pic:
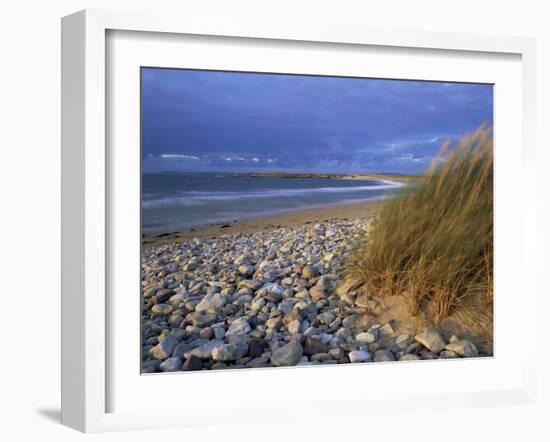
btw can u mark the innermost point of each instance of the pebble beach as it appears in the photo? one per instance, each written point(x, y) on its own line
point(269, 298)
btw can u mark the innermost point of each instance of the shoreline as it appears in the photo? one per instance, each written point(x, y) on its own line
point(348, 212)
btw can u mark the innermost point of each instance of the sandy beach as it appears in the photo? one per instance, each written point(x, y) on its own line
point(291, 219)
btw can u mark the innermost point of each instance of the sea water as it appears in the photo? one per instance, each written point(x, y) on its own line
point(180, 201)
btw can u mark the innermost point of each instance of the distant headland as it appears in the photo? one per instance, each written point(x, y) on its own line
point(334, 176)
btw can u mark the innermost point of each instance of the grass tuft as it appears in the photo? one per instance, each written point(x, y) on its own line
point(433, 242)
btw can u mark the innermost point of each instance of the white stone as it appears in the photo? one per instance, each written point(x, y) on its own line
point(359, 356)
point(211, 303)
point(238, 327)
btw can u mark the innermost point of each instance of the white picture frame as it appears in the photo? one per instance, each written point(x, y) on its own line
point(85, 210)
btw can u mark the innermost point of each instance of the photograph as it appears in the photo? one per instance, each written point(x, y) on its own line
point(310, 220)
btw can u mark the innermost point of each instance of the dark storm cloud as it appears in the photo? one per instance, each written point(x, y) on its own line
point(217, 121)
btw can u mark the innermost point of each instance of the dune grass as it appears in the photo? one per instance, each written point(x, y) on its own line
point(433, 242)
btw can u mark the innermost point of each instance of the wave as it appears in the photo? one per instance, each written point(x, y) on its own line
point(194, 198)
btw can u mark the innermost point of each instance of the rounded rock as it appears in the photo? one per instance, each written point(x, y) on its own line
point(287, 355)
point(431, 339)
point(171, 364)
point(359, 356)
point(383, 356)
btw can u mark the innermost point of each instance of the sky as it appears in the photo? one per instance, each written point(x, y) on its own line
point(201, 121)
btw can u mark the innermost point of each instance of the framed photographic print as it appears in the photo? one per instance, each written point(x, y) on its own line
point(247, 208)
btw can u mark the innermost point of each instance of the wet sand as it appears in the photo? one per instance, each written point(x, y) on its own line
point(291, 219)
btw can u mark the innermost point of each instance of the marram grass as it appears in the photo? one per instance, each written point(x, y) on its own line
point(433, 242)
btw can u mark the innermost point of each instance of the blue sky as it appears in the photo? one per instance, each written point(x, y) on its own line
point(241, 122)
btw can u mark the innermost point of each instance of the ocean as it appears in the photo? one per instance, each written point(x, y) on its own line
point(181, 201)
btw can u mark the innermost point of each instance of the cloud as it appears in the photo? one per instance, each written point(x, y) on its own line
point(178, 156)
point(240, 158)
point(223, 121)
point(412, 158)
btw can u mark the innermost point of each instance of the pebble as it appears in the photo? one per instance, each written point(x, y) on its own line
point(184, 348)
point(431, 339)
point(255, 350)
point(258, 362)
point(246, 270)
point(250, 284)
point(171, 364)
point(402, 340)
point(286, 306)
point(327, 317)
point(206, 333)
point(383, 356)
point(309, 272)
point(164, 349)
point(229, 352)
point(164, 309)
point(356, 321)
point(367, 337)
point(336, 353)
point(273, 288)
point(364, 301)
point(219, 331)
point(238, 327)
point(211, 303)
point(313, 346)
point(320, 357)
point(386, 330)
point(317, 293)
point(287, 355)
point(162, 295)
point(448, 354)
point(274, 322)
point(176, 299)
point(269, 298)
point(463, 348)
point(346, 286)
point(201, 319)
point(191, 265)
point(359, 356)
point(192, 363)
point(205, 350)
point(150, 366)
point(294, 326)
